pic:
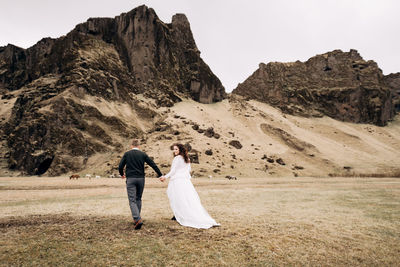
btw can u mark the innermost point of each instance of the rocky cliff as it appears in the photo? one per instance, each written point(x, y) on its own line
point(393, 80)
point(338, 84)
point(60, 97)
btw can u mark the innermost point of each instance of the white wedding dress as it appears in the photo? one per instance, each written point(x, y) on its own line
point(183, 198)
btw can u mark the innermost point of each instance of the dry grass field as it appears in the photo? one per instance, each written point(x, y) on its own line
point(264, 222)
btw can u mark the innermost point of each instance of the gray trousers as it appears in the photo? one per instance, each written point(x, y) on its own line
point(134, 187)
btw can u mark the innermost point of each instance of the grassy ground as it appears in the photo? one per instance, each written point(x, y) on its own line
point(264, 222)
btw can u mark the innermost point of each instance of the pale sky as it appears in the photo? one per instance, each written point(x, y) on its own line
point(234, 36)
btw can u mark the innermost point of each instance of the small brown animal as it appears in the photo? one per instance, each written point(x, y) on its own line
point(74, 176)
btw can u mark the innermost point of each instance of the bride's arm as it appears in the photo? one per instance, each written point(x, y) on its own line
point(173, 168)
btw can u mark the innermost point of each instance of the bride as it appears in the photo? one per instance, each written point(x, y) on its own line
point(183, 198)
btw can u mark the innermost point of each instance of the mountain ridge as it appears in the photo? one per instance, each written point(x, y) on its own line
point(72, 104)
point(338, 84)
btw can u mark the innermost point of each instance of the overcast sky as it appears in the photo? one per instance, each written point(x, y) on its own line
point(234, 36)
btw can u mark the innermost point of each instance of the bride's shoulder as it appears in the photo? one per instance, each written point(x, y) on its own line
point(180, 158)
point(177, 157)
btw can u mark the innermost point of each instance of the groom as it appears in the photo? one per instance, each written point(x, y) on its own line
point(134, 160)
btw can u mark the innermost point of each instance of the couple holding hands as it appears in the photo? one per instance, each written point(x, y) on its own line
point(183, 198)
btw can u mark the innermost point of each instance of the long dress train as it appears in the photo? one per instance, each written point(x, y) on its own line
point(183, 198)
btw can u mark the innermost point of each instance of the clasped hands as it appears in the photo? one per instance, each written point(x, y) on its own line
point(162, 178)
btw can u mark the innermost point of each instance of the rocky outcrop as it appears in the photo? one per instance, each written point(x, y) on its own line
point(393, 80)
point(59, 86)
point(159, 60)
point(338, 84)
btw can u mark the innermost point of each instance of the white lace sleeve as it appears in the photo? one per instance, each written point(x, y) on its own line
point(173, 168)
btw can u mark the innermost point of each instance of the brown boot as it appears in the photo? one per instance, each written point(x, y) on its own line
point(138, 224)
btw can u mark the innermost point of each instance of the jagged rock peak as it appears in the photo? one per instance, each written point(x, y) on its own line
point(338, 84)
point(155, 51)
point(181, 28)
point(162, 60)
point(180, 20)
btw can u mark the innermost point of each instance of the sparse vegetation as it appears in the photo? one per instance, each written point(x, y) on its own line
point(392, 174)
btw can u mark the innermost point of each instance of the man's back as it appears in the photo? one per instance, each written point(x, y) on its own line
point(134, 160)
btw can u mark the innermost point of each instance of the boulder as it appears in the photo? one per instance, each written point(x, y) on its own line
point(280, 161)
point(236, 144)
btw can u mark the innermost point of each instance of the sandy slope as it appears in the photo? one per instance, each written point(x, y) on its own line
point(308, 146)
point(320, 146)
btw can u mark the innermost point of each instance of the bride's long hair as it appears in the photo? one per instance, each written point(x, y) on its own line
point(182, 151)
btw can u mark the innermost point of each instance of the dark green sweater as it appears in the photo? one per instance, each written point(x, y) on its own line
point(134, 160)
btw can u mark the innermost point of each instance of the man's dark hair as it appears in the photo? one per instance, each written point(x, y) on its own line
point(135, 142)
